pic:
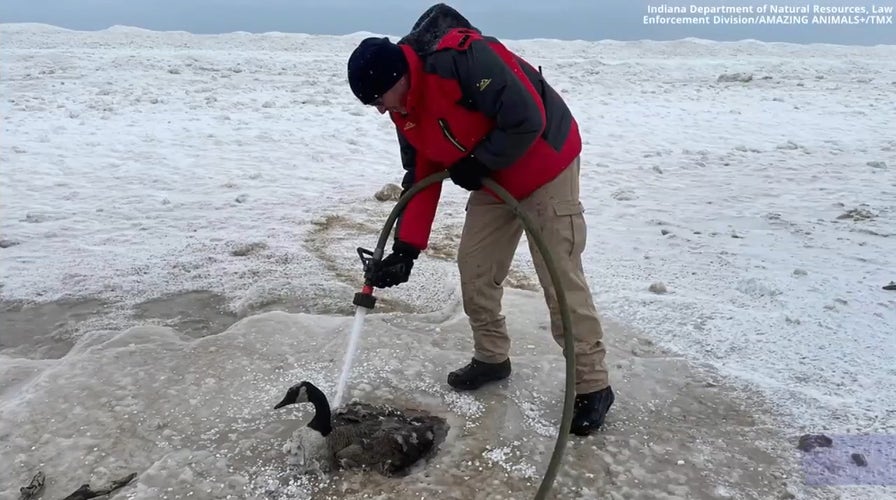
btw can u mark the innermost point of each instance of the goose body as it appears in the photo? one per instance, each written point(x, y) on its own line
point(364, 436)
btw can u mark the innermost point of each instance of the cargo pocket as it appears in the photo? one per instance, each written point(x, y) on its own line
point(572, 213)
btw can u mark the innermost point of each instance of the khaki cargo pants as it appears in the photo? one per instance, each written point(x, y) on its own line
point(489, 240)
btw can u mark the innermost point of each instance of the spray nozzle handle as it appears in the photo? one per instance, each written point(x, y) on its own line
point(365, 297)
point(368, 261)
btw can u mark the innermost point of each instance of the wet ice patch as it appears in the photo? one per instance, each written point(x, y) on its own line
point(512, 460)
point(465, 405)
point(196, 415)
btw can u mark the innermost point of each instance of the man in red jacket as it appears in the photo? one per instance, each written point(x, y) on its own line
point(463, 102)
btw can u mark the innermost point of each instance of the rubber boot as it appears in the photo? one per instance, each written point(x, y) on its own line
point(590, 410)
point(477, 373)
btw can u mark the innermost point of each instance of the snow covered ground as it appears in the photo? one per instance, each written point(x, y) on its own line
point(192, 181)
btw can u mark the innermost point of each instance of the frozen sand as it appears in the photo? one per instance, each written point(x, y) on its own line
point(138, 166)
point(193, 416)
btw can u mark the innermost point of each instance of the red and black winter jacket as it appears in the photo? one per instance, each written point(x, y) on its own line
point(470, 95)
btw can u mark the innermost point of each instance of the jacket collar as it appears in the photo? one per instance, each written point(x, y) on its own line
point(415, 78)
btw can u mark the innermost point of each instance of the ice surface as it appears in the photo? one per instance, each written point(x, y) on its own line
point(195, 419)
point(138, 167)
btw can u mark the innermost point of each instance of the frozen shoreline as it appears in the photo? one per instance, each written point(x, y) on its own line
point(143, 165)
point(156, 402)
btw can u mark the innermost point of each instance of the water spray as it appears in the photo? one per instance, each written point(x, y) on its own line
point(364, 302)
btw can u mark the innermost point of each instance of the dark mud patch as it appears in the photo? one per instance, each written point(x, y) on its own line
point(196, 313)
point(201, 313)
point(44, 330)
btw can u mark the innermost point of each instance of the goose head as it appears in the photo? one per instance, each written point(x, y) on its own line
point(296, 394)
point(306, 392)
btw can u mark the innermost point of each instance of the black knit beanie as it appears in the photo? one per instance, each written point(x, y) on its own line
point(374, 67)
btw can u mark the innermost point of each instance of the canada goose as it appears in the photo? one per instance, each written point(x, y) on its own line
point(363, 436)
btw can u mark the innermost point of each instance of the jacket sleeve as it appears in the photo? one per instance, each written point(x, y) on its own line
point(496, 86)
point(414, 225)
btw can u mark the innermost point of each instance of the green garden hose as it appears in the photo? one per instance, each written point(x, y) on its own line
point(568, 344)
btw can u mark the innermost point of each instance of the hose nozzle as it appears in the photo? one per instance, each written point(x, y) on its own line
point(365, 297)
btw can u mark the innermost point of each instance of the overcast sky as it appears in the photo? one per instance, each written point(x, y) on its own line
point(563, 19)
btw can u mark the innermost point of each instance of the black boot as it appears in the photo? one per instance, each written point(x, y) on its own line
point(590, 410)
point(477, 373)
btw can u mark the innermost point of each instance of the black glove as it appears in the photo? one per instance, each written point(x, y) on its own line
point(396, 267)
point(468, 173)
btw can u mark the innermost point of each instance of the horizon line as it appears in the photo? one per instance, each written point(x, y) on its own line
point(371, 33)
